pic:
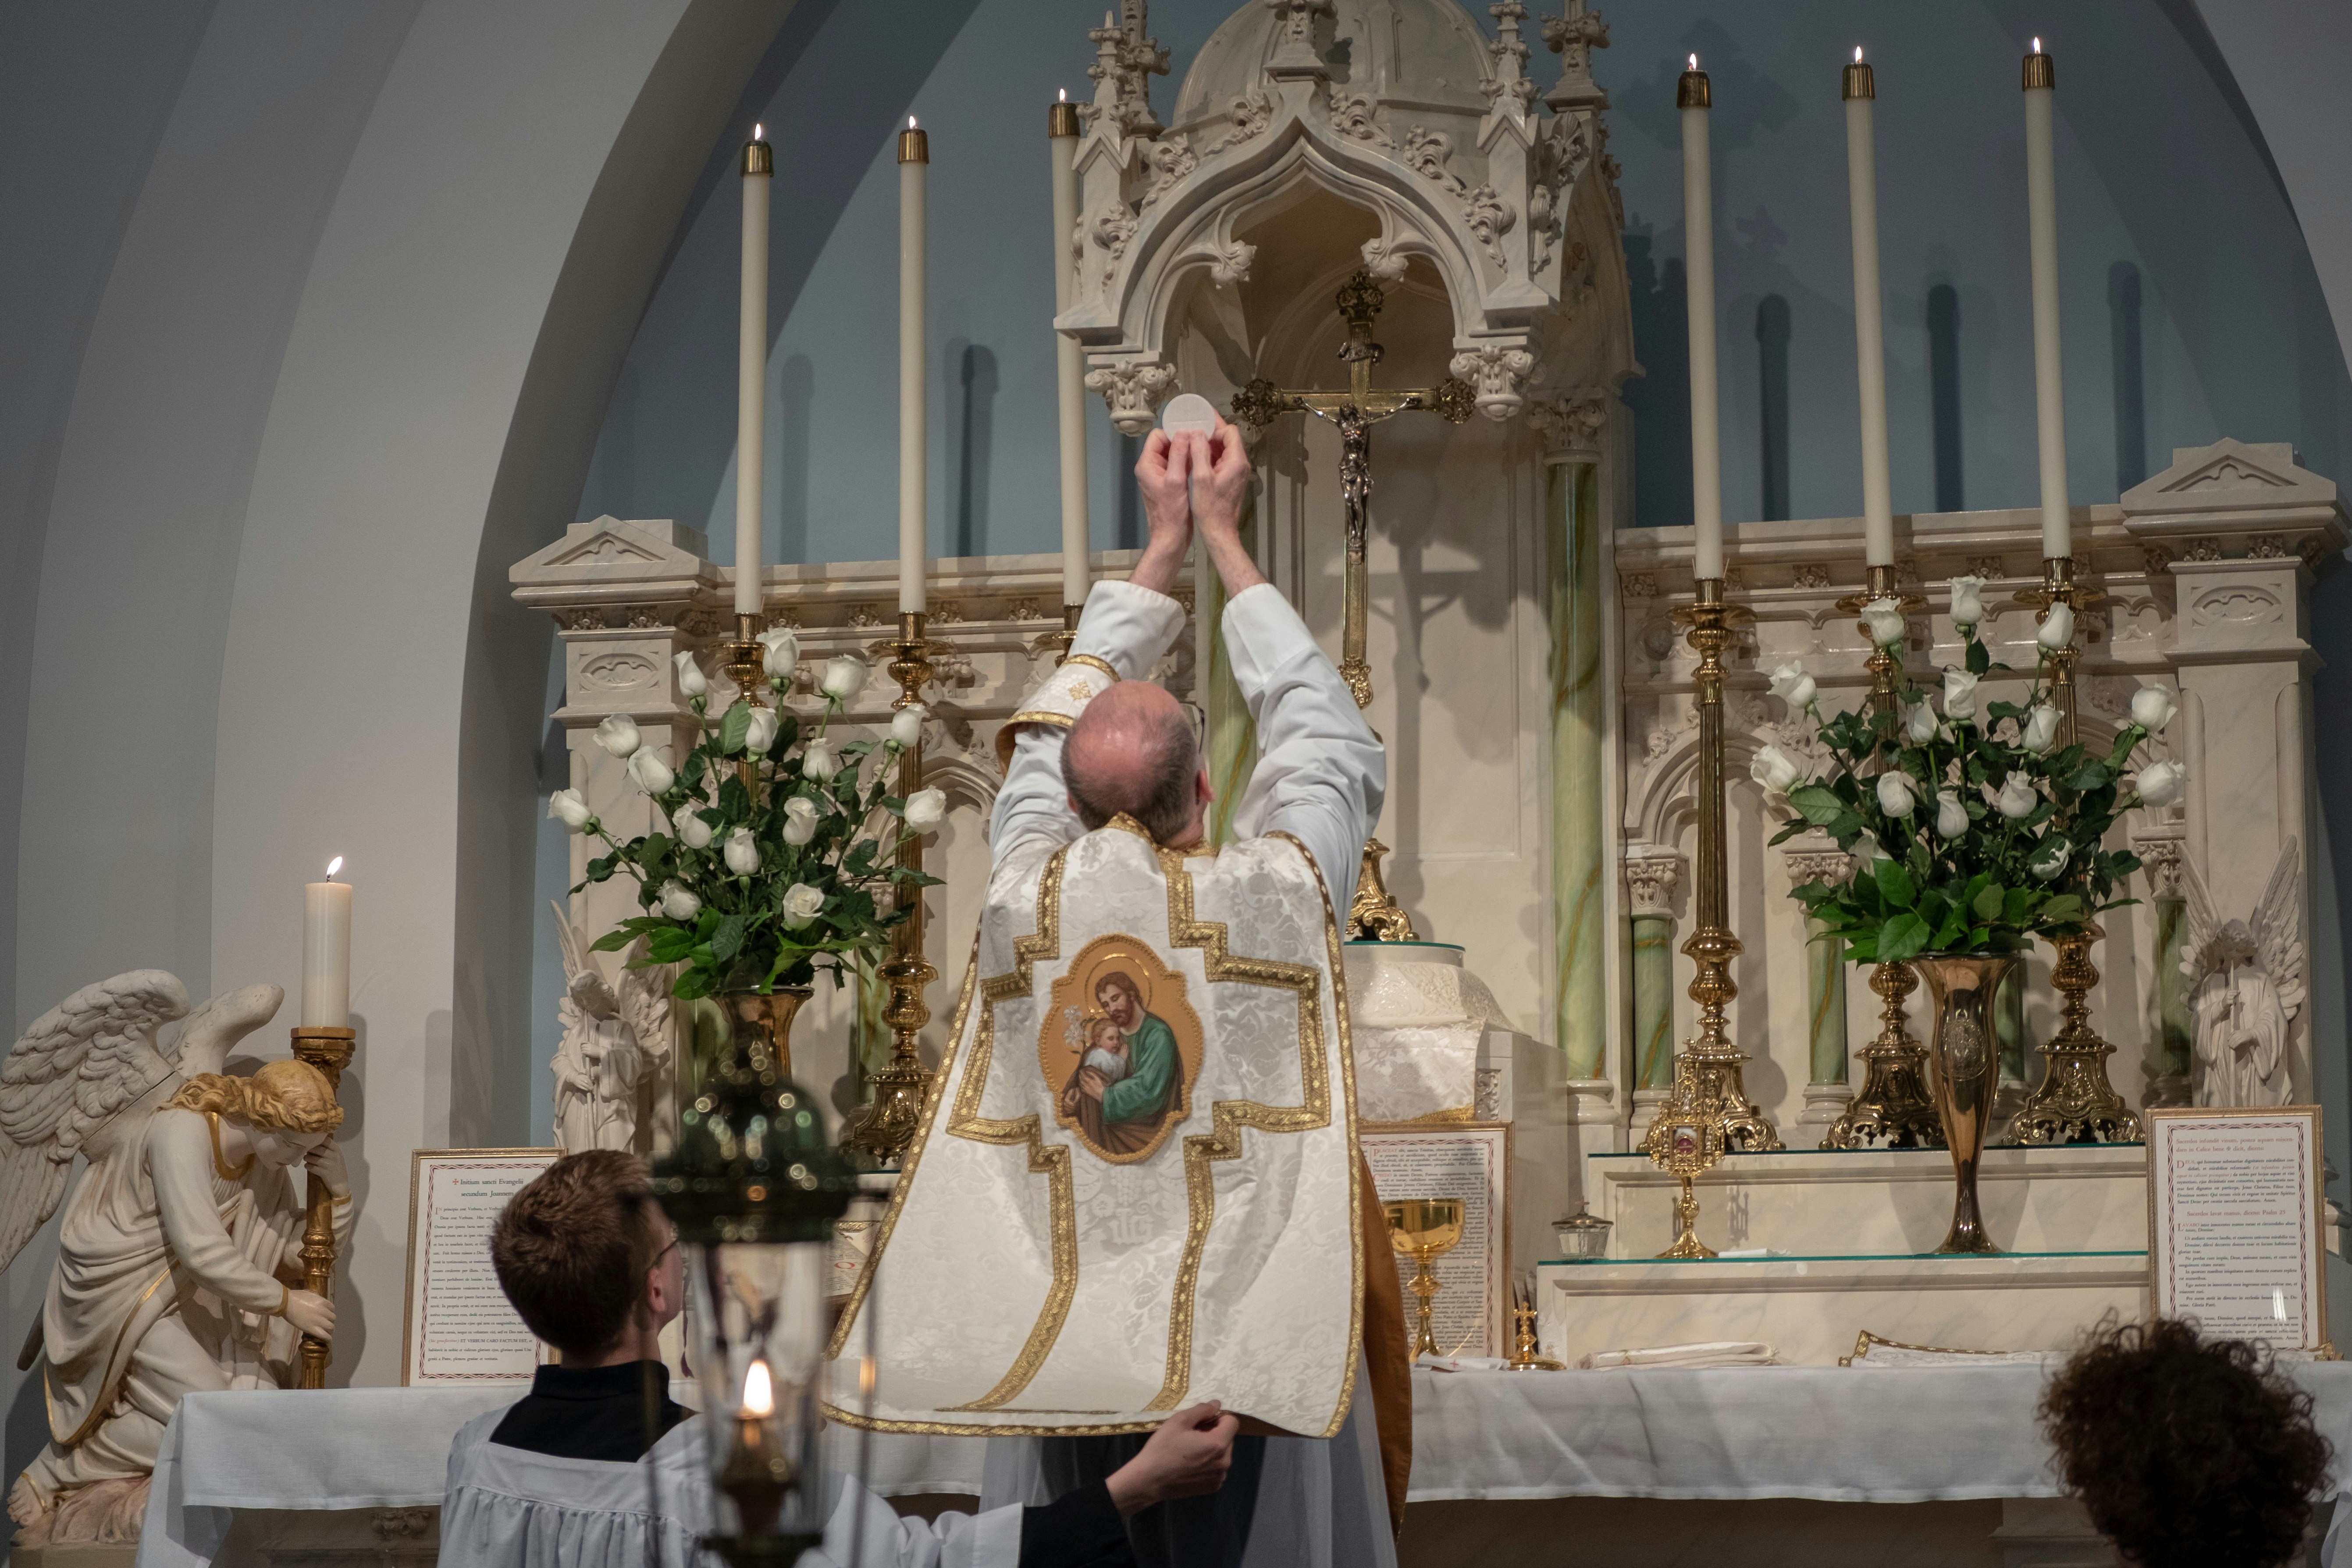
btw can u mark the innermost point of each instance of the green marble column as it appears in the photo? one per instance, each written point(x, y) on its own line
point(1572, 550)
point(1232, 736)
point(1650, 890)
point(1825, 1006)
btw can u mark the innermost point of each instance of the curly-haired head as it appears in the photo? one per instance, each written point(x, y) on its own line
point(282, 1097)
point(2185, 1452)
point(573, 1248)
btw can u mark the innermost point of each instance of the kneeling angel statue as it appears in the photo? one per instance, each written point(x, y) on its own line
point(179, 1266)
point(2248, 983)
point(612, 1038)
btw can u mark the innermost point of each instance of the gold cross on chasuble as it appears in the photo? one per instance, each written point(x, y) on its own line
point(1355, 411)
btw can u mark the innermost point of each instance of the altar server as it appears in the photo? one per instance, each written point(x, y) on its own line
point(1138, 1182)
point(598, 1465)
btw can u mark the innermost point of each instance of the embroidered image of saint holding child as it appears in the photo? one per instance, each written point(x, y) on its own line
point(1123, 1047)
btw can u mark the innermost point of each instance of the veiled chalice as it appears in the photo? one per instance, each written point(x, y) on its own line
point(1424, 1228)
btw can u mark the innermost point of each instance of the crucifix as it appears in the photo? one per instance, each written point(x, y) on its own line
point(1355, 412)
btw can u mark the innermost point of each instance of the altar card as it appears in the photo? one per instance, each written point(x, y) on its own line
point(1465, 1159)
point(2236, 1221)
point(457, 1327)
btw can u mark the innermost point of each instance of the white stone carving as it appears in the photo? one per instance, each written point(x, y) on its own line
point(2249, 979)
point(613, 1037)
point(1293, 52)
point(1250, 116)
point(1133, 391)
point(1650, 878)
point(1351, 116)
point(1495, 371)
point(1571, 423)
point(1381, 260)
point(1233, 266)
point(1170, 159)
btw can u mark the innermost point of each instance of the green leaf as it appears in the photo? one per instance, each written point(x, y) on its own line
point(2016, 906)
point(2091, 776)
point(2063, 910)
point(734, 800)
point(1896, 886)
point(669, 944)
point(1901, 937)
point(1987, 905)
point(1799, 825)
point(1819, 803)
point(734, 728)
point(1980, 658)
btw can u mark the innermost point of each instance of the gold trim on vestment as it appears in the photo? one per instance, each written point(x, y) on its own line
point(220, 1165)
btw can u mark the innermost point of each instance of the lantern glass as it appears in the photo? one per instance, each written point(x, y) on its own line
point(759, 1323)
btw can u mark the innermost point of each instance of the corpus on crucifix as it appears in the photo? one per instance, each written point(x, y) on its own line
point(1355, 411)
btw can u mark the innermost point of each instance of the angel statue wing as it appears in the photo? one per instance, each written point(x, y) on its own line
point(2278, 929)
point(204, 1041)
point(2204, 925)
point(582, 978)
point(645, 1002)
point(83, 1060)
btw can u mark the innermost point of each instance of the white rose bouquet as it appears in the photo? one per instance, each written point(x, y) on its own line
point(1975, 831)
point(761, 883)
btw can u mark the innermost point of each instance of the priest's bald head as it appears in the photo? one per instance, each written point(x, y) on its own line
point(1133, 751)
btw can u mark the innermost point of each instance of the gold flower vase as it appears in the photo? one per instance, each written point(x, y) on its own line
point(756, 1028)
point(1966, 1054)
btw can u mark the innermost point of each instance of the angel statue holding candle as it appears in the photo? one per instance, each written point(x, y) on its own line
point(179, 1266)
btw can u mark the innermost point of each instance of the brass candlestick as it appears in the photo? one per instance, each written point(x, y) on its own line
point(1712, 946)
point(1423, 1230)
point(1060, 641)
point(891, 1120)
point(1526, 1353)
point(2074, 1102)
point(1891, 1110)
point(329, 1050)
point(745, 660)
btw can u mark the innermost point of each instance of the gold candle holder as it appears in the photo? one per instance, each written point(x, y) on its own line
point(2074, 1102)
point(1526, 1352)
point(900, 1087)
point(1892, 1110)
point(329, 1050)
point(1712, 947)
point(1060, 641)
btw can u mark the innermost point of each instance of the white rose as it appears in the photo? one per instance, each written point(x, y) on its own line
point(925, 808)
point(1773, 769)
point(1792, 685)
point(800, 820)
point(618, 735)
point(818, 761)
point(692, 830)
point(690, 679)
point(907, 724)
point(761, 734)
point(1959, 694)
point(567, 808)
point(1896, 797)
point(1968, 601)
point(1951, 817)
point(653, 774)
point(2160, 783)
point(2152, 707)
point(742, 855)
point(2057, 629)
point(1919, 723)
point(2018, 798)
point(803, 904)
point(2040, 728)
point(1867, 848)
point(678, 903)
point(1886, 620)
point(783, 652)
point(2049, 857)
point(845, 677)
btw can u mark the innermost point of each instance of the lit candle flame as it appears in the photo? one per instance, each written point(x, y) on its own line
point(334, 866)
point(759, 1391)
point(1694, 65)
point(910, 122)
point(1062, 95)
point(759, 132)
point(2037, 45)
point(1857, 54)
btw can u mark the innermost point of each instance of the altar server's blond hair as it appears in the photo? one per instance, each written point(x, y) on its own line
point(283, 1096)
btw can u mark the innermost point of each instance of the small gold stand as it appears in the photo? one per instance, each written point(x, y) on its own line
point(1686, 1140)
point(1060, 641)
point(1712, 946)
point(2074, 1102)
point(1526, 1354)
point(745, 660)
point(901, 1086)
point(1424, 1228)
point(1892, 1110)
point(1373, 915)
point(329, 1050)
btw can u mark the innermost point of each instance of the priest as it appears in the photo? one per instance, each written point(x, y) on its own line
point(1136, 1184)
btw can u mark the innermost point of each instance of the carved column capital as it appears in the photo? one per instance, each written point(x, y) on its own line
point(2160, 858)
point(1570, 424)
point(1650, 878)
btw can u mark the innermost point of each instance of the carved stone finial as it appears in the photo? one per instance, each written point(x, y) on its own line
point(1294, 50)
point(1573, 35)
point(1508, 85)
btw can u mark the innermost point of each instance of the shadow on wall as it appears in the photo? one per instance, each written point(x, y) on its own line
point(1772, 403)
point(1660, 399)
point(972, 370)
point(1944, 394)
point(2130, 385)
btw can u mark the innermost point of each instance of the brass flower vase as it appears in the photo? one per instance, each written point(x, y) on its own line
point(1966, 1054)
point(758, 1028)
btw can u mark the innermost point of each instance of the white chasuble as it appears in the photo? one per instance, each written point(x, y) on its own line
point(1135, 1185)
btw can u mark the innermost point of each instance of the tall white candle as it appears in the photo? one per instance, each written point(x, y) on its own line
point(1069, 359)
point(752, 372)
point(2041, 227)
point(914, 160)
point(327, 951)
point(1869, 337)
point(1694, 97)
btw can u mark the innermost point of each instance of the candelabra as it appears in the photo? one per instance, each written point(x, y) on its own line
point(1712, 946)
point(901, 1086)
point(329, 1050)
point(1892, 1110)
point(2073, 1103)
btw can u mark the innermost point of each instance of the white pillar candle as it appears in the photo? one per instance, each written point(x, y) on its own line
point(2041, 228)
point(1869, 337)
point(752, 372)
point(1069, 359)
point(327, 951)
point(914, 160)
point(1694, 97)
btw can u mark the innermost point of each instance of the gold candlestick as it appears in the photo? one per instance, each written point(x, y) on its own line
point(1892, 1110)
point(889, 1122)
point(1060, 641)
point(329, 1050)
point(1712, 946)
point(2074, 1102)
point(1526, 1353)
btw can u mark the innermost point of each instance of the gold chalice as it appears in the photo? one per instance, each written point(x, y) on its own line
point(1424, 1228)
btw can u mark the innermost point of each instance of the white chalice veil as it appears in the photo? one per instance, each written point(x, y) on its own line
point(1023, 1283)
